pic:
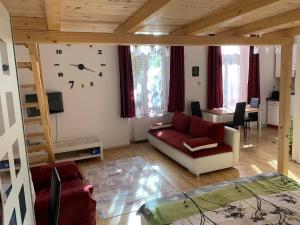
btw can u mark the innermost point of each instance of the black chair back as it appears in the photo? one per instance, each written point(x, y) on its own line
point(239, 114)
point(196, 109)
point(54, 201)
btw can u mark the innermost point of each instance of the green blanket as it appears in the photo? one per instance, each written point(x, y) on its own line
point(269, 198)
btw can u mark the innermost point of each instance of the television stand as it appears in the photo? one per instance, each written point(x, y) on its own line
point(79, 149)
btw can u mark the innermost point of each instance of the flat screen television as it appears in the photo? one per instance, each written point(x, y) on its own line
point(55, 101)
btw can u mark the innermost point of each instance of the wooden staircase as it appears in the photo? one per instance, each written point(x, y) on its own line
point(43, 151)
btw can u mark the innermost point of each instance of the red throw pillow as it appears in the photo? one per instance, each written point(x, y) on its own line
point(204, 128)
point(196, 144)
point(181, 122)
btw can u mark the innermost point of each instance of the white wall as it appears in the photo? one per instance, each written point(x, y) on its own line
point(89, 111)
point(296, 109)
point(195, 87)
point(267, 80)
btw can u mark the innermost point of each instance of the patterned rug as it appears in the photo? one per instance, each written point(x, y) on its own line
point(122, 186)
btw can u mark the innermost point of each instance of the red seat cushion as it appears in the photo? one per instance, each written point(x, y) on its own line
point(181, 122)
point(202, 128)
point(175, 139)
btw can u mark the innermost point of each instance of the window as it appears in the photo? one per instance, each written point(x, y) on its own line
point(151, 69)
point(235, 68)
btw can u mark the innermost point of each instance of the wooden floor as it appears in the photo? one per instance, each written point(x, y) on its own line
point(256, 156)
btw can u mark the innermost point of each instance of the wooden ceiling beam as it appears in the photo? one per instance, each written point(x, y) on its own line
point(264, 24)
point(29, 23)
point(53, 9)
point(290, 32)
point(148, 10)
point(224, 15)
point(27, 36)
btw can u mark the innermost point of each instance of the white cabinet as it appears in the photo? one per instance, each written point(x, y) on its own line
point(278, 60)
point(273, 113)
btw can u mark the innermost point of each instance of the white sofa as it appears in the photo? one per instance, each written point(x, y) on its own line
point(205, 164)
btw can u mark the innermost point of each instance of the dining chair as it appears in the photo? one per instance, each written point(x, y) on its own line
point(252, 117)
point(196, 109)
point(238, 118)
point(54, 201)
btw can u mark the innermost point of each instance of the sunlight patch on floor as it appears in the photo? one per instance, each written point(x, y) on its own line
point(273, 163)
point(292, 175)
point(247, 146)
point(256, 169)
point(134, 219)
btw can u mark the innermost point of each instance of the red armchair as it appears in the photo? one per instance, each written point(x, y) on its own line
point(77, 207)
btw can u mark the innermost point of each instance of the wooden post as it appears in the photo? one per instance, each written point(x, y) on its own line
point(284, 108)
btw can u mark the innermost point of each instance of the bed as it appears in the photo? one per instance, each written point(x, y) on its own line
point(268, 198)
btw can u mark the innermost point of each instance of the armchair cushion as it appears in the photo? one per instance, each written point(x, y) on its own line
point(41, 175)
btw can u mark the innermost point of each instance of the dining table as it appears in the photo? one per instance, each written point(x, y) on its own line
point(225, 115)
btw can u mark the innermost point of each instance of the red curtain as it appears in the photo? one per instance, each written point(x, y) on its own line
point(126, 82)
point(253, 77)
point(176, 89)
point(214, 78)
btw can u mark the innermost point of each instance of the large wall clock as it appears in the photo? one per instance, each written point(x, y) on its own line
point(67, 57)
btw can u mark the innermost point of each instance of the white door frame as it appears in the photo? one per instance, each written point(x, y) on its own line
point(17, 203)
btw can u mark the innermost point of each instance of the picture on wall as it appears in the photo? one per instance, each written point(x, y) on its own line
point(195, 71)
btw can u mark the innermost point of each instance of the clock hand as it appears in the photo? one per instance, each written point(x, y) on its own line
point(82, 67)
point(89, 69)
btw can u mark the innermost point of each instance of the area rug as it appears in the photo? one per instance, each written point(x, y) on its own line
point(122, 186)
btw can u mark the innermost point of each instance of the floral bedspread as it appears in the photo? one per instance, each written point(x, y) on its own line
point(266, 199)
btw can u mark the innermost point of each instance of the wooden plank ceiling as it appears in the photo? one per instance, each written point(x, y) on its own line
point(173, 17)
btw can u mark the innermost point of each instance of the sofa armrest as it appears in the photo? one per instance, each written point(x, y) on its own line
point(158, 126)
point(232, 138)
point(41, 175)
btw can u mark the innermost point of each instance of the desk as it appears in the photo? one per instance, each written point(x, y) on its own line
point(218, 114)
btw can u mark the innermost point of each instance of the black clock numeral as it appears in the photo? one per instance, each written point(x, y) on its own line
point(60, 74)
point(91, 46)
point(56, 64)
point(99, 52)
point(91, 84)
point(68, 45)
point(82, 85)
point(71, 82)
point(100, 74)
point(103, 64)
point(59, 51)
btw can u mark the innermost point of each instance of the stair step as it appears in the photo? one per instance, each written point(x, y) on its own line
point(30, 105)
point(32, 136)
point(38, 160)
point(36, 148)
point(24, 65)
point(32, 120)
point(28, 86)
